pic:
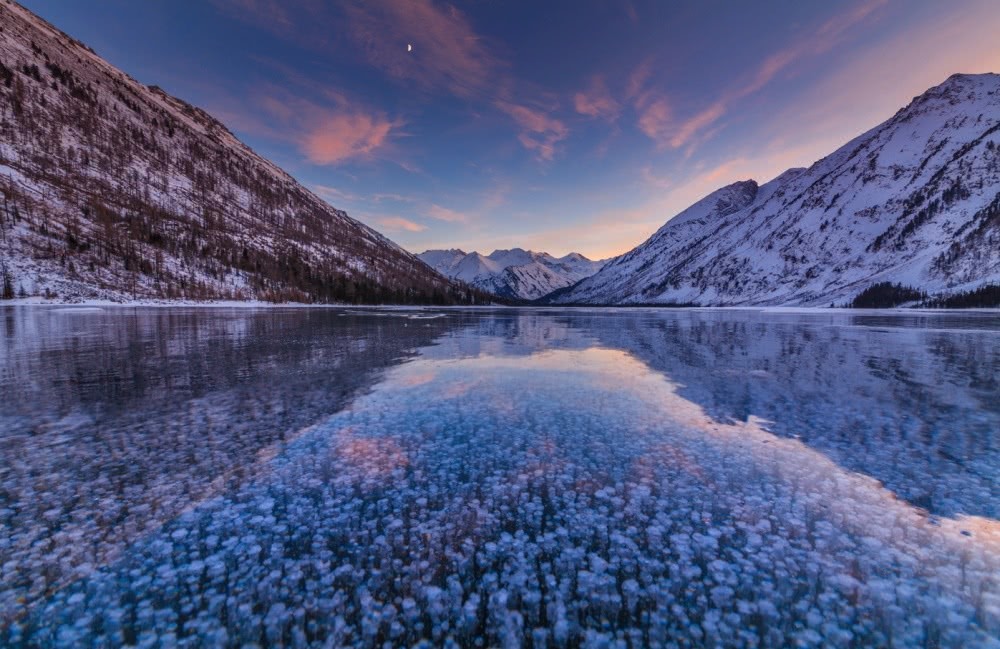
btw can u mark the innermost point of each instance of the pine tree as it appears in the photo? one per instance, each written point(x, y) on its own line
point(8, 285)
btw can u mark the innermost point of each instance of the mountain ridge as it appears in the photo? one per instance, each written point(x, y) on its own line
point(117, 190)
point(914, 200)
point(514, 273)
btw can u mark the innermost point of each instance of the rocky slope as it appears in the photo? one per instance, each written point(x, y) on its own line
point(914, 201)
point(118, 190)
point(517, 274)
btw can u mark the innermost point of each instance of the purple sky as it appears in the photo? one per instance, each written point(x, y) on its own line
point(564, 125)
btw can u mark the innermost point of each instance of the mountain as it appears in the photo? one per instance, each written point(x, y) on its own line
point(516, 273)
point(118, 190)
point(914, 201)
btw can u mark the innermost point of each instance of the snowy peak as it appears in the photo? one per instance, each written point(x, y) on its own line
point(734, 197)
point(475, 265)
point(515, 273)
point(915, 200)
point(443, 258)
point(955, 90)
point(514, 257)
point(718, 204)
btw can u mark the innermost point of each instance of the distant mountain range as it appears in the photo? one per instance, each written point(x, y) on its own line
point(517, 274)
point(915, 201)
point(116, 190)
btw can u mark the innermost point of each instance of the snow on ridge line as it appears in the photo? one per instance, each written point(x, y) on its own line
point(514, 273)
point(914, 201)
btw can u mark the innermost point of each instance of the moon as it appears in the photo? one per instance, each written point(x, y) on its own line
point(409, 47)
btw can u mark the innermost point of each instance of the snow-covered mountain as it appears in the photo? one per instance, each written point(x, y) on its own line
point(118, 190)
point(515, 273)
point(915, 201)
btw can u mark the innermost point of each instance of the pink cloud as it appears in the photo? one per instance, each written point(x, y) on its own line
point(654, 118)
point(637, 80)
point(324, 125)
point(339, 137)
point(397, 198)
point(656, 121)
point(409, 167)
point(532, 120)
point(495, 197)
point(651, 179)
point(767, 70)
point(836, 26)
point(543, 146)
point(597, 101)
point(822, 40)
point(692, 126)
point(445, 214)
point(539, 131)
point(399, 224)
point(332, 193)
point(327, 130)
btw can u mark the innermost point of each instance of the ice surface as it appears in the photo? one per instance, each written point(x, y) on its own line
point(528, 479)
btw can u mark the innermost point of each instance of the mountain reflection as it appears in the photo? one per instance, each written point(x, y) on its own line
point(913, 401)
point(115, 421)
point(558, 478)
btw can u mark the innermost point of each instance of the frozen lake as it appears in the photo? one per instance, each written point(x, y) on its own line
point(536, 478)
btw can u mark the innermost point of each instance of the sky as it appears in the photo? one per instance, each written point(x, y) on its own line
point(558, 126)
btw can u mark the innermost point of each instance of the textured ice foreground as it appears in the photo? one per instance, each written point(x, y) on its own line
point(542, 480)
